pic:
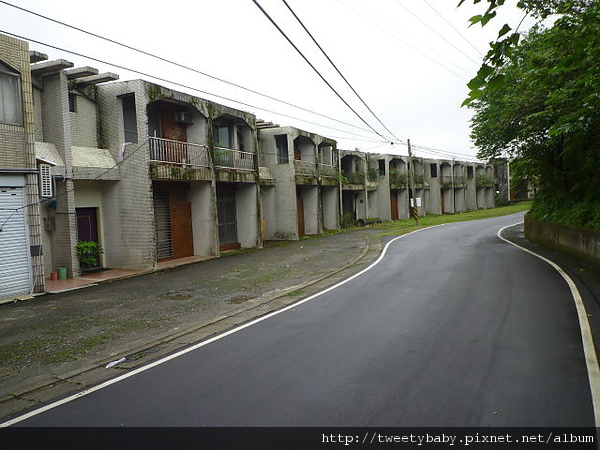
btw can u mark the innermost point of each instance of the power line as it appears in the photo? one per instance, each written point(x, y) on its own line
point(454, 28)
point(118, 66)
point(336, 68)
point(434, 30)
point(160, 58)
point(315, 69)
point(407, 44)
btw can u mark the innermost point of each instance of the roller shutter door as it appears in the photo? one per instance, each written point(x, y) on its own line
point(14, 261)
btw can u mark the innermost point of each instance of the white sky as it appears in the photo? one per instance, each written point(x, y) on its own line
point(408, 74)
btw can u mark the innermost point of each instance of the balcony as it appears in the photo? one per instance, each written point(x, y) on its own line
point(448, 182)
point(305, 168)
point(226, 158)
point(176, 160)
point(166, 151)
point(398, 180)
point(353, 181)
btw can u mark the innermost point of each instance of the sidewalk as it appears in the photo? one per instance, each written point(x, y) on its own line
point(59, 344)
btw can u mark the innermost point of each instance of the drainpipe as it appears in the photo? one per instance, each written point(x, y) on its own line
point(366, 166)
point(453, 193)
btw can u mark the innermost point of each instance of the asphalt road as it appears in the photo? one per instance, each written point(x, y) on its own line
point(454, 327)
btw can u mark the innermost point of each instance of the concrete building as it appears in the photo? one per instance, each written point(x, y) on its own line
point(188, 175)
point(304, 195)
point(21, 251)
point(150, 174)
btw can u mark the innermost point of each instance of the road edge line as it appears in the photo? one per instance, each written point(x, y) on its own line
point(217, 337)
point(589, 349)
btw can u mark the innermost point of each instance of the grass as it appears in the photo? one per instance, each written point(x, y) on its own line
point(407, 225)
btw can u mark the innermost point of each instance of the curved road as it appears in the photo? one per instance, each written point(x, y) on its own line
point(454, 327)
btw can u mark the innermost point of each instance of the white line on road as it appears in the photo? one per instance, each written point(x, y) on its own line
point(584, 325)
point(203, 343)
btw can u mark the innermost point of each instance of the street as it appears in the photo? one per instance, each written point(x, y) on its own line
point(453, 327)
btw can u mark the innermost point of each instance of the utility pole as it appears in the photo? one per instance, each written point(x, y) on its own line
point(413, 197)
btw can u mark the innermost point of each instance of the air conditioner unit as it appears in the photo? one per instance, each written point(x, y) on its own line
point(46, 188)
point(184, 117)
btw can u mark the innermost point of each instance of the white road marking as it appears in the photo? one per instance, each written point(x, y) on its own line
point(584, 325)
point(83, 393)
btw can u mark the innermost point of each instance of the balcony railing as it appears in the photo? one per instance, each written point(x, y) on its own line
point(234, 159)
point(327, 170)
point(355, 178)
point(398, 179)
point(306, 168)
point(180, 153)
point(449, 181)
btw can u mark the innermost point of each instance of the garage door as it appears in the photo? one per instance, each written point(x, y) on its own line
point(14, 262)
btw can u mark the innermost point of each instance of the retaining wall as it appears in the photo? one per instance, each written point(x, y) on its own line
point(579, 242)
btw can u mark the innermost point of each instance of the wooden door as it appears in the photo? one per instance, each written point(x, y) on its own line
point(394, 204)
point(300, 213)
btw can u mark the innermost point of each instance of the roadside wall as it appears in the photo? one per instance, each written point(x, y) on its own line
point(578, 242)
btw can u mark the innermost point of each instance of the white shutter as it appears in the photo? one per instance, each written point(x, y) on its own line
point(15, 275)
point(46, 181)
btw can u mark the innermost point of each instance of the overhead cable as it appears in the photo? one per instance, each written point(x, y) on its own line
point(454, 28)
point(336, 68)
point(407, 44)
point(118, 66)
point(160, 58)
point(435, 31)
point(266, 14)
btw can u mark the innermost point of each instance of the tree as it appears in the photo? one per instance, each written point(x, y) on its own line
point(538, 99)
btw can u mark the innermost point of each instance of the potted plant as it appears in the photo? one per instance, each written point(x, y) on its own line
point(89, 253)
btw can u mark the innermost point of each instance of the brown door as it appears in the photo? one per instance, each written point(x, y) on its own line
point(300, 213)
point(442, 198)
point(87, 224)
point(394, 204)
point(181, 223)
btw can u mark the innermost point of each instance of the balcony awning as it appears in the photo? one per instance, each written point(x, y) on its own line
point(92, 157)
point(46, 152)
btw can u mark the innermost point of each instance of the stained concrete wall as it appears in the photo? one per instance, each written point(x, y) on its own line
point(129, 211)
point(204, 226)
point(579, 242)
point(246, 203)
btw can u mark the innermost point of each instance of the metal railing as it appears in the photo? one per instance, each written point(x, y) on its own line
point(177, 152)
point(233, 159)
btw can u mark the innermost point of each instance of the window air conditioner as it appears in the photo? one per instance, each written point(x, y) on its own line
point(184, 117)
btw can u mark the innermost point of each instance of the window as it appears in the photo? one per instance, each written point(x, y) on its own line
point(433, 170)
point(72, 102)
point(381, 163)
point(223, 134)
point(129, 118)
point(282, 149)
point(470, 171)
point(10, 96)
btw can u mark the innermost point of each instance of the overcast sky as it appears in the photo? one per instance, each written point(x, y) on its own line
point(405, 59)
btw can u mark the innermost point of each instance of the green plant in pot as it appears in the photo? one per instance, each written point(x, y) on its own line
point(89, 253)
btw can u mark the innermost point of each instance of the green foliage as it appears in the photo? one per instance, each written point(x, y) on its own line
point(89, 253)
point(546, 111)
point(347, 220)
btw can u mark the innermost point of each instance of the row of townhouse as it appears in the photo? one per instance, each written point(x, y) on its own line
point(152, 174)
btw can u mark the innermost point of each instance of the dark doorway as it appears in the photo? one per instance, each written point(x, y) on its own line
point(226, 211)
point(87, 224)
point(300, 213)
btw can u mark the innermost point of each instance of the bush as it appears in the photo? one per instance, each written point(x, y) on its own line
point(89, 253)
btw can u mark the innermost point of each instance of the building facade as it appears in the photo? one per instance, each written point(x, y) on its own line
point(21, 250)
point(149, 174)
